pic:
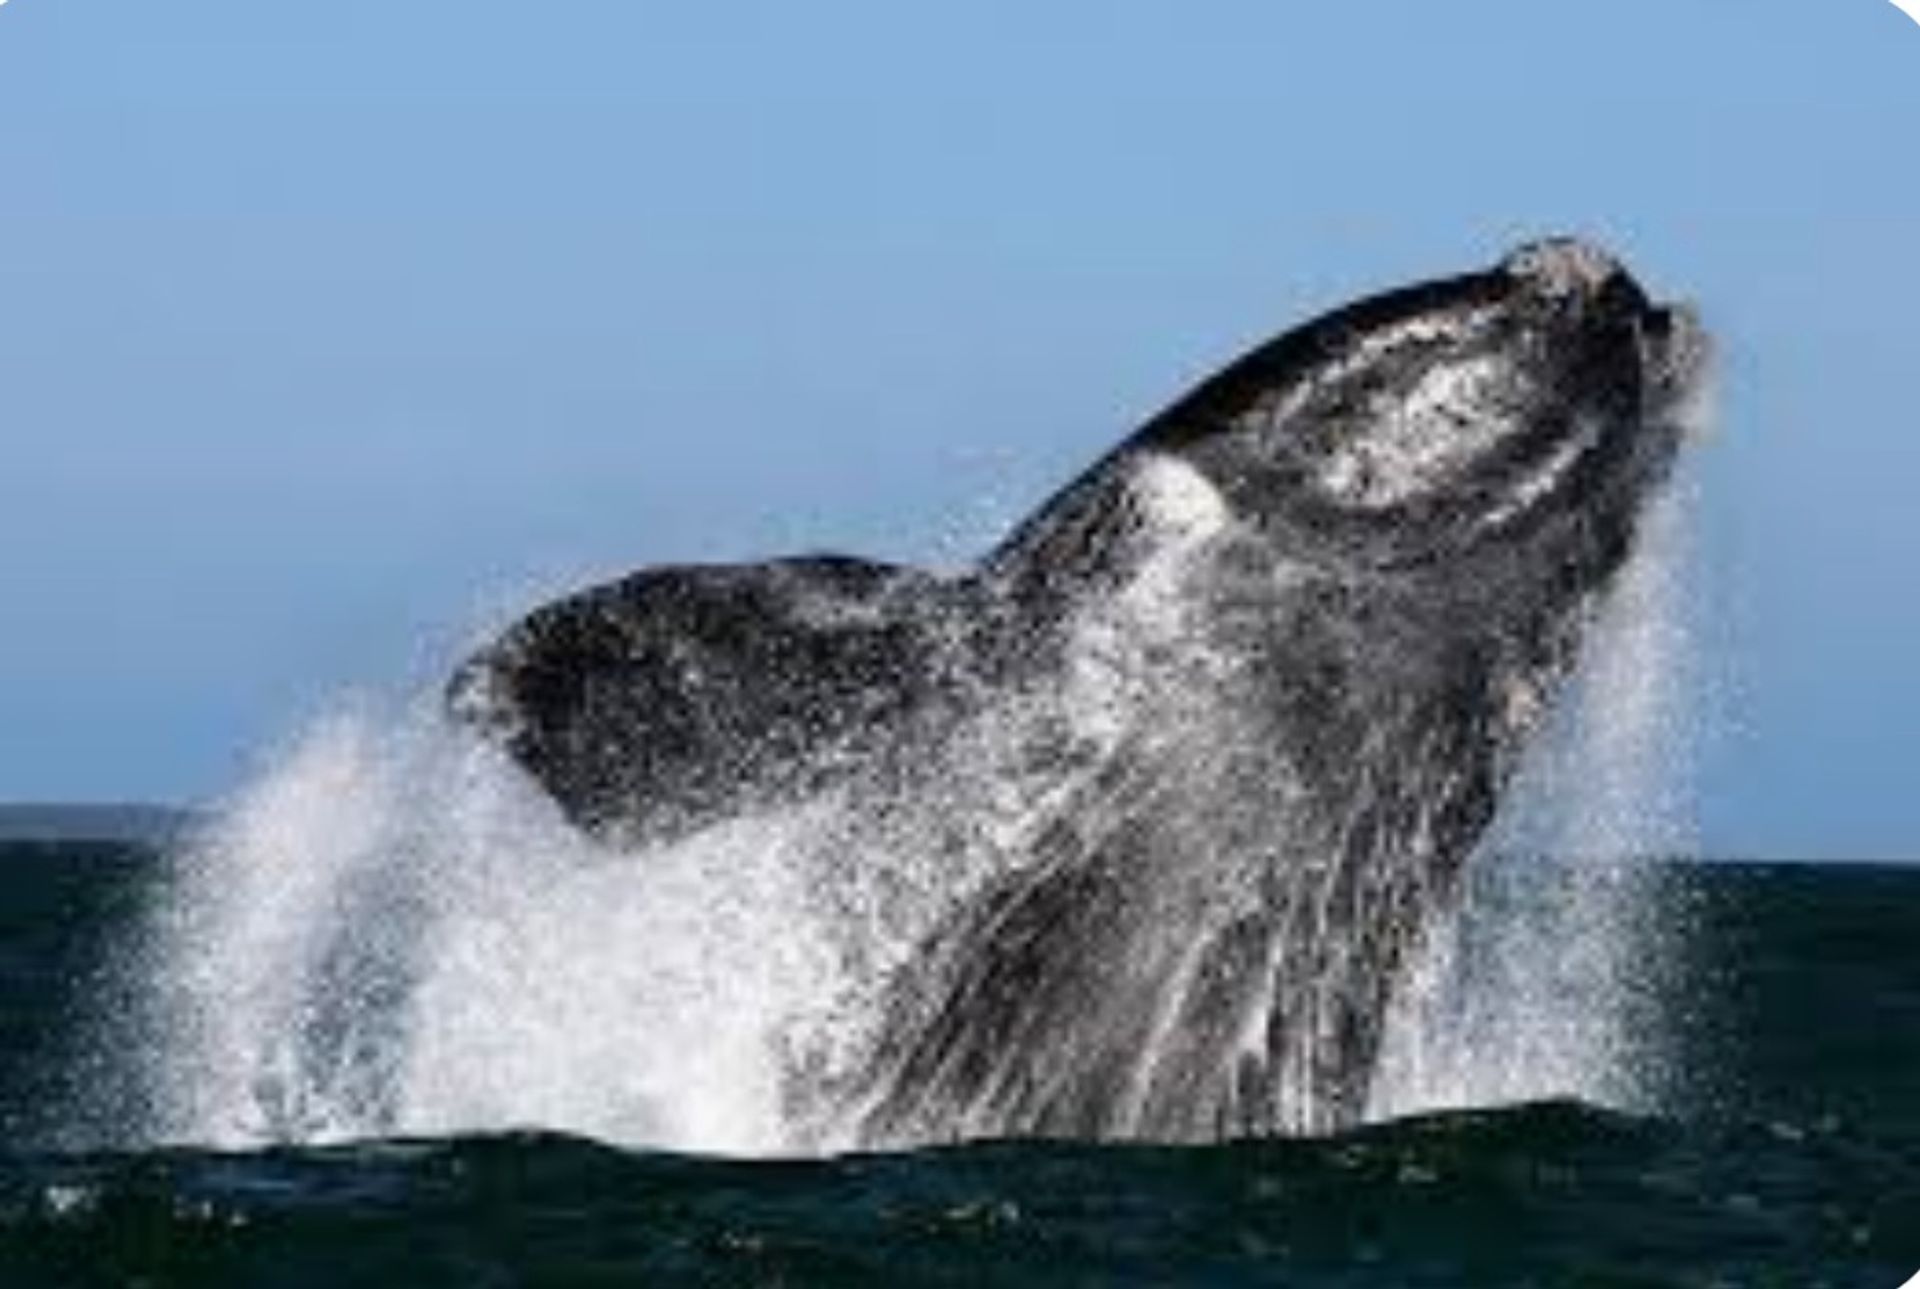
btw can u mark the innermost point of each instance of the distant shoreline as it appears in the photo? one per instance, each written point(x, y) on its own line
point(116, 822)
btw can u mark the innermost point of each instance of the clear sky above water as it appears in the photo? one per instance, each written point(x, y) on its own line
point(331, 333)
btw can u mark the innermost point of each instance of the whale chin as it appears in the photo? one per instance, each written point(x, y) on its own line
point(1185, 763)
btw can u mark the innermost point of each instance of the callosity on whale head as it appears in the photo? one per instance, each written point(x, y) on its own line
point(1426, 424)
point(1187, 762)
point(1456, 414)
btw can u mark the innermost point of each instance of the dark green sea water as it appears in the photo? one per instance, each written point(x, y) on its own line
point(1793, 1158)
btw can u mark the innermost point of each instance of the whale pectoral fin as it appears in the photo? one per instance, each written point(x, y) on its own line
point(652, 704)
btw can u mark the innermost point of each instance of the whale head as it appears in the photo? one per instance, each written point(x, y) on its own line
point(1519, 413)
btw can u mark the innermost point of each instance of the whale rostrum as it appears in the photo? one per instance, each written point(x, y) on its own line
point(1187, 760)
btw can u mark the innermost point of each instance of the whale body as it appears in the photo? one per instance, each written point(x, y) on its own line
point(1196, 751)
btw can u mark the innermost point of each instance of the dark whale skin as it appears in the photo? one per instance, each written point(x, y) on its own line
point(1381, 534)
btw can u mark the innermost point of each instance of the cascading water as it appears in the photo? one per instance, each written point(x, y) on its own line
point(1555, 975)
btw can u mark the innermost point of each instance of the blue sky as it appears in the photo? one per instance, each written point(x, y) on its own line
point(330, 332)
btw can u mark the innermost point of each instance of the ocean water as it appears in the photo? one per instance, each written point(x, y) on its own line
point(1776, 1141)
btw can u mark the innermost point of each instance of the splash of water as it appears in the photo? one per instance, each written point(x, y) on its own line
point(393, 932)
point(1552, 978)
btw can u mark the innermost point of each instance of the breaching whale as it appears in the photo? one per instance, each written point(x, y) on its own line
point(1202, 743)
